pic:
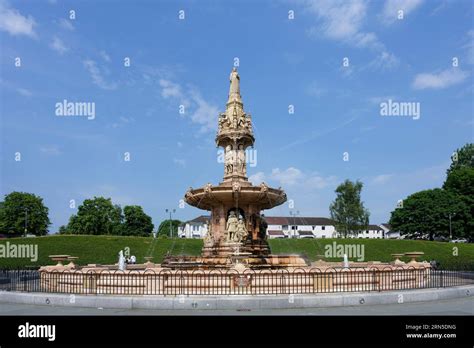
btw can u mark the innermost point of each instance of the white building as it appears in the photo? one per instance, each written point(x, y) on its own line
point(372, 232)
point(196, 228)
point(299, 227)
point(388, 233)
point(284, 227)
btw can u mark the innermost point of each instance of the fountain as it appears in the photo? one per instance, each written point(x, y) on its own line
point(235, 204)
point(236, 257)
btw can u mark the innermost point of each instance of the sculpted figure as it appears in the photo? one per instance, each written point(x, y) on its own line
point(209, 238)
point(241, 233)
point(234, 79)
point(229, 160)
point(241, 165)
point(208, 188)
point(231, 227)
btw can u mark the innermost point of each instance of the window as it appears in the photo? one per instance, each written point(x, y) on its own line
point(314, 227)
point(323, 227)
point(366, 232)
point(285, 227)
point(195, 227)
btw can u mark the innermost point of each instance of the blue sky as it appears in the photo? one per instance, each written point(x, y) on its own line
point(187, 62)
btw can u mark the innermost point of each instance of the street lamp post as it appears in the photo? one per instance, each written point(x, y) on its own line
point(26, 221)
point(294, 214)
point(171, 211)
point(450, 230)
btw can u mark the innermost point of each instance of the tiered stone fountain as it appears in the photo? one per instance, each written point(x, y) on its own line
point(235, 204)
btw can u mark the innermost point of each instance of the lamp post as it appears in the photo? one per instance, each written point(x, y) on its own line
point(450, 230)
point(171, 211)
point(26, 221)
point(294, 214)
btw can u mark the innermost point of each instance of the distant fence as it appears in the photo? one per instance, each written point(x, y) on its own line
point(230, 282)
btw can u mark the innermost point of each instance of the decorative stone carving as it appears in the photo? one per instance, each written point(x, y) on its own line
point(209, 238)
point(263, 187)
point(241, 165)
point(242, 232)
point(229, 159)
point(236, 187)
point(231, 227)
point(208, 188)
point(234, 80)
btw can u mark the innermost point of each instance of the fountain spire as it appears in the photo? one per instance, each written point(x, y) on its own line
point(235, 133)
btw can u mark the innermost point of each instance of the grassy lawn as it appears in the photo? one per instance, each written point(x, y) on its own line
point(380, 249)
point(104, 249)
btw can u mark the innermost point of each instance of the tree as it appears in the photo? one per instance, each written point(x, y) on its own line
point(462, 158)
point(347, 210)
point(164, 228)
point(461, 182)
point(96, 216)
point(427, 213)
point(20, 211)
point(136, 223)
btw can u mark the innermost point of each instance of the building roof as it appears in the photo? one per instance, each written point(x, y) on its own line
point(275, 233)
point(386, 226)
point(373, 227)
point(200, 219)
point(298, 220)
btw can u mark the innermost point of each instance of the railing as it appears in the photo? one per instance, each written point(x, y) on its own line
point(230, 282)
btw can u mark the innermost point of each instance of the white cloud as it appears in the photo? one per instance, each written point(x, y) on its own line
point(122, 122)
point(315, 90)
point(289, 176)
point(257, 178)
point(384, 61)
point(381, 179)
point(205, 113)
point(105, 56)
point(470, 47)
point(58, 45)
point(443, 79)
point(199, 110)
point(295, 177)
point(97, 77)
point(179, 161)
point(169, 89)
point(390, 11)
point(343, 21)
point(51, 150)
point(340, 19)
point(24, 92)
point(14, 23)
point(66, 24)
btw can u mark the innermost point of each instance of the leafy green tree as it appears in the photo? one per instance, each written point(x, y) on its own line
point(22, 210)
point(136, 222)
point(348, 210)
point(164, 228)
point(462, 158)
point(427, 213)
point(96, 216)
point(461, 182)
